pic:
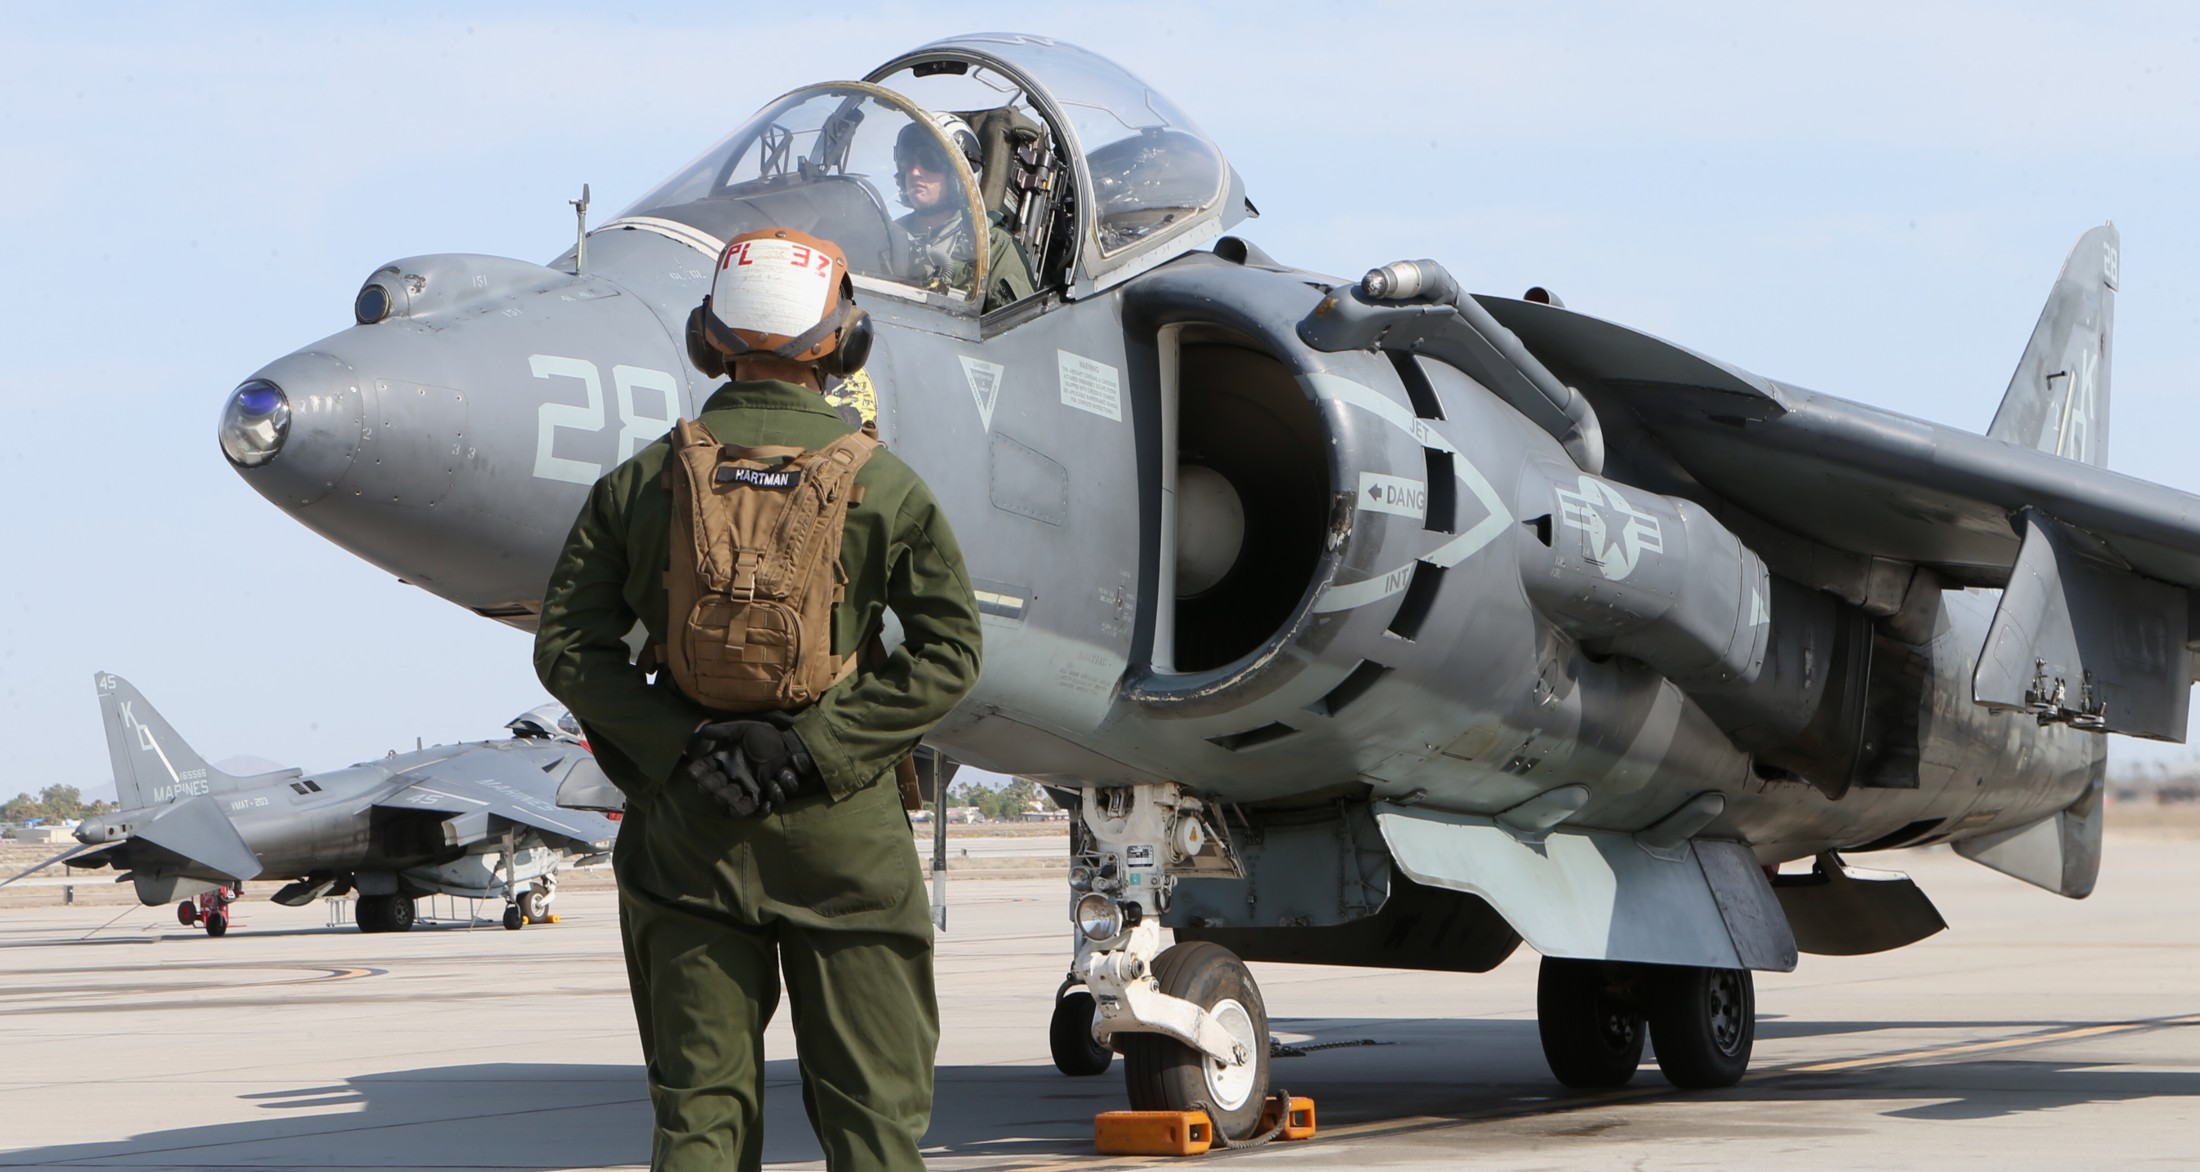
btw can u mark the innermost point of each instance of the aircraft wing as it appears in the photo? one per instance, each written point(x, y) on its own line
point(2096, 622)
point(1855, 478)
point(484, 785)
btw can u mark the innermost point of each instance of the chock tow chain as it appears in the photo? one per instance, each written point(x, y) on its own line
point(1280, 1049)
point(1222, 1138)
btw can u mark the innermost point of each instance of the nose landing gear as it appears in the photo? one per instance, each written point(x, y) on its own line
point(1069, 1037)
point(1164, 1074)
point(1189, 1019)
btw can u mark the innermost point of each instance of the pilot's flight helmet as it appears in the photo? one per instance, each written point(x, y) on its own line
point(913, 144)
point(783, 293)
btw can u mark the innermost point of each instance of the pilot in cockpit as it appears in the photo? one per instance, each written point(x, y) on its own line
point(943, 251)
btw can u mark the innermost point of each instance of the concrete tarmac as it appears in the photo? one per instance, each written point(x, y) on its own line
point(2037, 1033)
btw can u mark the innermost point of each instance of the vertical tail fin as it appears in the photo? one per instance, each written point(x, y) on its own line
point(2058, 399)
point(153, 766)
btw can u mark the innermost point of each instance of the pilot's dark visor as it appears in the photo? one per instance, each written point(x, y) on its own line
point(924, 151)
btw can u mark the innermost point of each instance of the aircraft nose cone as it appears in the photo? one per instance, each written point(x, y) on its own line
point(292, 429)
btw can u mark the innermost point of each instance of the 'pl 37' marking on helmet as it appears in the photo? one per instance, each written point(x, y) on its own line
point(1614, 535)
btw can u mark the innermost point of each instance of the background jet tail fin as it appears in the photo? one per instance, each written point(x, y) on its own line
point(2058, 399)
point(153, 766)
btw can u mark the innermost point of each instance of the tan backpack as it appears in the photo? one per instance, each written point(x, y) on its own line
point(755, 567)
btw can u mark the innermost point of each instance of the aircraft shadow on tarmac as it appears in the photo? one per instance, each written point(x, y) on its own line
point(581, 1115)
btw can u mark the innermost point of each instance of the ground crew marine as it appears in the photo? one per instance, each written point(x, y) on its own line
point(749, 853)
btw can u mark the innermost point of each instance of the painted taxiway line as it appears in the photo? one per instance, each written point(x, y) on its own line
point(1575, 1102)
point(2018, 1042)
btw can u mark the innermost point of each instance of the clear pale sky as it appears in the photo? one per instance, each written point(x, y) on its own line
point(1866, 199)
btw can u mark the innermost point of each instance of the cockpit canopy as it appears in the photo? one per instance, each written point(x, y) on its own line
point(1087, 173)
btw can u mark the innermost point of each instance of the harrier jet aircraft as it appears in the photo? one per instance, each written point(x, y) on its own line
point(476, 820)
point(1363, 622)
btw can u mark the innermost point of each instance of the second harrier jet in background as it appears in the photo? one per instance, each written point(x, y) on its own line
point(476, 820)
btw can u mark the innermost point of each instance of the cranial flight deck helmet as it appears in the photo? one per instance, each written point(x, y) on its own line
point(913, 145)
point(783, 293)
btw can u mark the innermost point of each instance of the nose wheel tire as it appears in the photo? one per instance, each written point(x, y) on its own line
point(1163, 1074)
point(1703, 1024)
point(216, 923)
point(1590, 1020)
point(534, 905)
point(514, 919)
point(1069, 1037)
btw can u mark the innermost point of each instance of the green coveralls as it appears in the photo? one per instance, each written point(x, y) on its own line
point(712, 909)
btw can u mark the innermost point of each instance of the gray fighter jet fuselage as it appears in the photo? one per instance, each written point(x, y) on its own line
point(1326, 600)
point(476, 820)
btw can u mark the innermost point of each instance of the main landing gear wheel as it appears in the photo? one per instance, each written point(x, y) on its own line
point(217, 923)
point(1590, 1018)
point(514, 919)
point(1704, 1023)
point(1163, 1074)
point(534, 904)
point(385, 913)
point(1069, 1036)
point(187, 914)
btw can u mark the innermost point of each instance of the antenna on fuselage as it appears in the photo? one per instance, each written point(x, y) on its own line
point(580, 232)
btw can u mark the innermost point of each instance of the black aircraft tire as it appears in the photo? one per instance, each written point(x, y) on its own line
point(187, 914)
point(371, 912)
point(1703, 1024)
point(535, 906)
point(1592, 1029)
point(216, 924)
point(1163, 1074)
point(513, 919)
point(1069, 1037)
point(401, 913)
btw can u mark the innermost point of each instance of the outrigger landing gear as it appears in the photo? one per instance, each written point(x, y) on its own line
point(1594, 1014)
point(1189, 1021)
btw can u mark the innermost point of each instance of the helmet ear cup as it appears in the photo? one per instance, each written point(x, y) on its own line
point(705, 356)
point(853, 348)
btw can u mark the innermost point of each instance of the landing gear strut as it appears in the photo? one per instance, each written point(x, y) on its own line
point(1189, 1021)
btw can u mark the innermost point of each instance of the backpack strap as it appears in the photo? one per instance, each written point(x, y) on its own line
point(764, 452)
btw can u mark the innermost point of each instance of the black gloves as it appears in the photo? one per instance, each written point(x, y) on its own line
point(752, 767)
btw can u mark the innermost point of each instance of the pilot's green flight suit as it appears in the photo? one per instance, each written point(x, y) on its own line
point(944, 255)
point(713, 908)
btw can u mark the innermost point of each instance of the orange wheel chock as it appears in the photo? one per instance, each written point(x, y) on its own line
point(1300, 1123)
point(1154, 1133)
